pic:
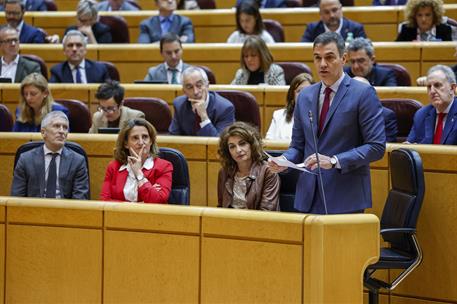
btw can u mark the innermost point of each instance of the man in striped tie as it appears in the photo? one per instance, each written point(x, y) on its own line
point(437, 122)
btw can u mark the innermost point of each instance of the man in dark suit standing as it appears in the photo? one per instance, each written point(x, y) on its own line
point(437, 122)
point(199, 112)
point(349, 126)
point(14, 66)
point(78, 69)
point(14, 13)
point(363, 64)
point(152, 29)
point(51, 170)
point(332, 20)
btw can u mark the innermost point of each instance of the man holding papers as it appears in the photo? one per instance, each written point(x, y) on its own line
point(349, 129)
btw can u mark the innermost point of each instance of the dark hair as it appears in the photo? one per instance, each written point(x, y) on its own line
point(20, 2)
point(247, 132)
point(294, 84)
point(256, 44)
point(169, 38)
point(361, 43)
point(252, 9)
point(110, 89)
point(330, 37)
point(120, 152)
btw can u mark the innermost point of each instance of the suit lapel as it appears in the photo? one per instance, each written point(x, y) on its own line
point(64, 167)
point(430, 125)
point(66, 73)
point(342, 90)
point(89, 72)
point(19, 70)
point(39, 168)
point(450, 121)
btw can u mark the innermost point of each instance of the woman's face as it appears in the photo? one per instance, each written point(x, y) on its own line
point(239, 149)
point(302, 85)
point(247, 23)
point(424, 18)
point(251, 60)
point(34, 97)
point(86, 20)
point(138, 138)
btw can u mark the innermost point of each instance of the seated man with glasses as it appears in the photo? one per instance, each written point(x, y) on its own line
point(14, 14)
point(14, 66)
point(362, 62)
point(111, 111)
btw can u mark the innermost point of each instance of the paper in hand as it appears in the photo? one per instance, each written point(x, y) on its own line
point(281, 161)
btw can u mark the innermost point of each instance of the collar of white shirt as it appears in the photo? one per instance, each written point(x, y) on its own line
point(15, 61)
point(82, 65)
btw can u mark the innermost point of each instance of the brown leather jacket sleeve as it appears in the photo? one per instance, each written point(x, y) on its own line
point(270, 194)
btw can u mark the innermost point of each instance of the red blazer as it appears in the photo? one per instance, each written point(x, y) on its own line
point(161, 172)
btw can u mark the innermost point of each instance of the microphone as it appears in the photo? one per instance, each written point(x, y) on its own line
point(319, 172)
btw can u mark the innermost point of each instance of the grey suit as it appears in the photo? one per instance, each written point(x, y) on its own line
point(150, 30)
point(104, 6)
point(24, 68)
point(29, 175)
point(158, 73)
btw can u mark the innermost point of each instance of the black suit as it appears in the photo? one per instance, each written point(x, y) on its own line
point(95, 72)
point(443, 32)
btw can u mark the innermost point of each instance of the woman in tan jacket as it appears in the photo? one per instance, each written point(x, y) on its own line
point(245, 181)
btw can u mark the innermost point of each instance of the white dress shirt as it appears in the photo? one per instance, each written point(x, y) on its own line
point(9, 69)
point(131, 184)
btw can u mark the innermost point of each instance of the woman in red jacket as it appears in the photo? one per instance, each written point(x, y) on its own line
point(136, 174)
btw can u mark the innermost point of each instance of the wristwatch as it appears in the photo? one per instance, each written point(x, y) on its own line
point(333, 161)
point(140, 177)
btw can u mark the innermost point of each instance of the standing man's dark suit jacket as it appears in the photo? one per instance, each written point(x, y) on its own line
point(424, 123)
point(29, 175)
point(24, 68)
point(378, 77)
point(150, 30)
point(316, 28)
point(95, 72)
point(30, 34)
point(443, 32)
point(220, 111)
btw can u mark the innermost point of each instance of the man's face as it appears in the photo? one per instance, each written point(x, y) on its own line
point(331, 13)
point(440, 91)
point(166, 5)
point(194, 86)
point(328, 62)
point(9, 43)
point(109, 108)
point(55, 133)
point(74, 50)
point(13, 14)
point(172, 53)
point(361, 63)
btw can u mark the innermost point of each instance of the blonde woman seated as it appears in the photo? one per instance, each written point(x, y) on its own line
point(257, 65)
point(35, 102)
point(136, 174)
point(245, 180)
point(283, 119)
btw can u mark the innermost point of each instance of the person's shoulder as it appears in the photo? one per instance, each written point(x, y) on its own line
point(311, 26)
point(58, 66)
point(276, 68)
point(149, 21)
point(179, 101)
point(103, 5)
point(132, 112)
point(28, 62)
point(161, 163)
point(352, 23)
point(182, 19)
point(424, 111)
point(58, 107)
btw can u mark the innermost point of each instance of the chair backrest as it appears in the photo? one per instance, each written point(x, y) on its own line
point(275, 29)
point(156, 111)
point(180, 188)
point(292, 69)
point(40, 61)
point(404, 109)
point(289, 180)
point(401, 73)
point(51, 6)
point(209, 74)
point(119, 28)
point(6, 119)
point(404, 200)
point(246, 107)
point(112, 70)
point(80, 120)
point(206, 4)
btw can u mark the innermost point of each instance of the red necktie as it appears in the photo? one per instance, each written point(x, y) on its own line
point(439, 129)
point(325, 108)
point(198, 120)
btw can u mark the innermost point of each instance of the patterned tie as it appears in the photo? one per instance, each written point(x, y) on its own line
point(325, 107)
point(52, 177)
point(197, 122)
point(78, 74)
point(439, 129)
point(174, 76)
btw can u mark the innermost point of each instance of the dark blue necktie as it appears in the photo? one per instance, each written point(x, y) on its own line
point(52, 177)
point(78, 75)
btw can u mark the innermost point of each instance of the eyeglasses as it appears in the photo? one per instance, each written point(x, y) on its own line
point(10, 41)
point(108, 109)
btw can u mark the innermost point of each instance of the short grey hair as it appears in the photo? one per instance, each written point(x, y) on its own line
point(447, 71)
point(361, 43)
point(193, 69)
point(87, 7)
point(71, 33)
point(51, 116)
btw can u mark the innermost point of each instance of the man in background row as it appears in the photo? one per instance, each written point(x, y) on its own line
point(116, 5)
point(14, 14)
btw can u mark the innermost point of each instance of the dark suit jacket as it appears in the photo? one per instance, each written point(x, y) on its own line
point(159, 73)
point(24, 68)
point(220, 111)
point(32, 5)
point(423, 128)
point(95, 72)
point(443, 32)
point(269, 3)
point(316, 28)
point(379, 76)
point(30, 34)
point(390, 121)
point(353, 131)
point(150, 30)
point(29, 175)
point(102, 32)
